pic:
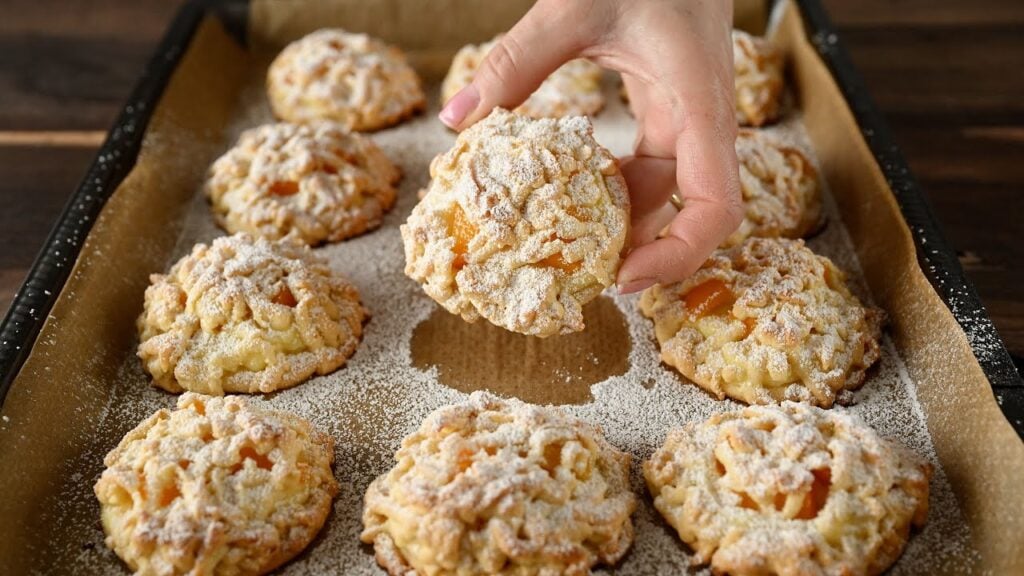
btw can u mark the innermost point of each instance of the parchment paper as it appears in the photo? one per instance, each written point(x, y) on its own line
point(81, 387)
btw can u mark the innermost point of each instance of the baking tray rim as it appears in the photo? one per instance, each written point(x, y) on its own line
point(116, 157)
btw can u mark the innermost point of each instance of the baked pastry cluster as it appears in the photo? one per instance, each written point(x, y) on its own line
point(247, 315)
point(491, 486)
point(522, 224)
point(572, 90)
point(313, 182)
point(789, 490)
point(766, 321)
point(353, 79)
point(781, 196)
point(758, 74)
point(216, 486)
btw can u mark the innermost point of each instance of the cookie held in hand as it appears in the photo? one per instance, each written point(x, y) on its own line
point(522, 224)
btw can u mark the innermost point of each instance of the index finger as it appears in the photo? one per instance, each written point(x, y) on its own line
point(708, 179)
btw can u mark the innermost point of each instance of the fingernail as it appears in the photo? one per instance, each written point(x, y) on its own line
point(460, 106)
point(636, 285)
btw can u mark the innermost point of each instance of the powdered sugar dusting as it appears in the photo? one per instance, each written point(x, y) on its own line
point(572, 89)
point(354, 79)
point(523, 224)
point(379, 397)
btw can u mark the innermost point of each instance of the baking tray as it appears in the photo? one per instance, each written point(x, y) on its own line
point(938, 260)
point(116, 158)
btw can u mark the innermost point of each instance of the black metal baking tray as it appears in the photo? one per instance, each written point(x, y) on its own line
point(117, 156)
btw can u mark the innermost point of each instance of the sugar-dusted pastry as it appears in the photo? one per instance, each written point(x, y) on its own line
point(789, 490)
point(758, 69)
point(493, 486)
point(572, 90)
point(766, 321)
point(247, 315)
point(522, 224)
point(216, 486)
point(353, 79)
point(314, 182)
point(780, 190)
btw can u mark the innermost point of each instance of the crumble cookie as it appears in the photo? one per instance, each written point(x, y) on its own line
point(789, 490)
point(758, 69)
point(522, 224)
point(572, 90)
point(493, 486)
point(354, 79)
point(780, 189)
point(215, 487)
point(314, 182)
point(247, 315)
point(766, 321)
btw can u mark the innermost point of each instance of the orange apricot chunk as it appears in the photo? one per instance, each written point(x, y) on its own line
point(708, 298)
point(463, 231)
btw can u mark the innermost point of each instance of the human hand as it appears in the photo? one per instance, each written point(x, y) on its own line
point(675, 57)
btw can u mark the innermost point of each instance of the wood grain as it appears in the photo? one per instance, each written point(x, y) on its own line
point(918, 13)
point(946, 74)
point(54, 82)
point(947, 77)
point(35, 184)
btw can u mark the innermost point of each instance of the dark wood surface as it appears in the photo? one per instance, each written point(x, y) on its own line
point(947, 74)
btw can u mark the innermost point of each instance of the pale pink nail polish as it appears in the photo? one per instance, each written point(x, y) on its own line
point(460, 106)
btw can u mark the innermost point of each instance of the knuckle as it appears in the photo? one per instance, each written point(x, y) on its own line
point(504, 61)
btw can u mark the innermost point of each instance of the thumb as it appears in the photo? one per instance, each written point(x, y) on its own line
point(520, 61)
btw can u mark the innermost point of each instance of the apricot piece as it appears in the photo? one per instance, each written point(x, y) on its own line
point(465, 460)
point(750, 324)
point(284, 188)
point(169, 494)
point(747, 502)
point(285, 297)
point(815, 500)
point(247, 452)
point(463, 231)
point(707, 298)
point(552, 457)
point(556, 261)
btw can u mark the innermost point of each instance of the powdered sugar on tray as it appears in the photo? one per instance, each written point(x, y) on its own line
point(379, 396)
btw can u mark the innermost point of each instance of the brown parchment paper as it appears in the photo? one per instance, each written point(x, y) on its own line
point(64, 412)
point(980, 452)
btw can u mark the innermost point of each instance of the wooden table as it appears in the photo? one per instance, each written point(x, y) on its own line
point(949, 76)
